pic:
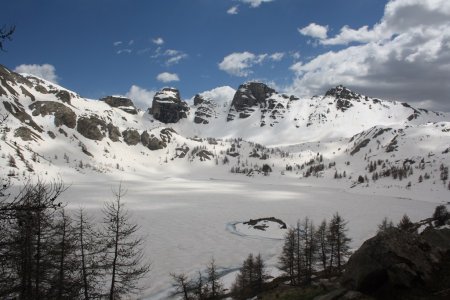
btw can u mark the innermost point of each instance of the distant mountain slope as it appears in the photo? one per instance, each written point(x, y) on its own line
point(249, 131)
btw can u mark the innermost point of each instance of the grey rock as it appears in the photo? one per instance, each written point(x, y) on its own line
point(392, 260)
point(131, 137)
point(113, 132)
point(26, 134)
point(63, 114)
point(91, 127)
point(64, 96)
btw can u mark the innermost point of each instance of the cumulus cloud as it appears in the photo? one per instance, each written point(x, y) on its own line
point(118, 43)
point(255, 3)
point(142, 98)
point(314, 30)
point(45, 71)
point(240, 63)
point(167, 77)
point(158, 41)
point(405, 56)
point(233, 10)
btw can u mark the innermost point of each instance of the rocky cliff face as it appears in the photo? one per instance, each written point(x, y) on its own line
point(249, 96)
point(167, 106)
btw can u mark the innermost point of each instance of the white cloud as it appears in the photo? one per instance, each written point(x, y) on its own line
point(295, 55)
point(128, 51)
point(314, 30)
point(405, 56)
point(277, 56)
point(45, 71)
point(175, 56)
point(167, 77)
point(158, 41)
point(255, 3)
point(175, 59)
point(142, 98)
point(118, 43)
point(234, 10)
point(240, 63)
point(131, 42)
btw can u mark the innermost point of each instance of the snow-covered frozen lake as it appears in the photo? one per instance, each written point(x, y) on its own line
point(185, 220)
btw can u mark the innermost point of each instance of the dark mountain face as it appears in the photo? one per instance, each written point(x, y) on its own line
point(167, 106)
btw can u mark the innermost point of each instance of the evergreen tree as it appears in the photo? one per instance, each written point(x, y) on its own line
point(125, 258)
point(323, 245)
point(287, 257)
point(386, 224)
point(440, 215)
point(405, 223)
point(91, 254)
point(339, 240)
point(215, 286)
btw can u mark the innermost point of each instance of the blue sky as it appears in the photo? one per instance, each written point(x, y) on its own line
point(102, 47)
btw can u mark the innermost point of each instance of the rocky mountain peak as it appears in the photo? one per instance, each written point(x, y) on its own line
point(342, 92)
point(167, 106)
point(248, 95)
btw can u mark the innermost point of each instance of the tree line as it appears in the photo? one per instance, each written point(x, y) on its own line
point(48, 253)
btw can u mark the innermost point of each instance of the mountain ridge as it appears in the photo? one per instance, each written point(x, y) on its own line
point(341, 132)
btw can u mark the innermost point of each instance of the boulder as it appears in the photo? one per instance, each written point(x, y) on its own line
point(122, 103)
point(167, 106)
point(91, 127)
point(152, 142)
point(394, 261)
point(131, 137)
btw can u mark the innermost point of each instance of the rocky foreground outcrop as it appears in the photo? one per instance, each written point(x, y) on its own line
point(396, 264)
point(167, 106)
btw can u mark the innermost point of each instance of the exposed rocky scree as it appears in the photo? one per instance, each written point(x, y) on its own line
point(122, 103)
point(167, 106)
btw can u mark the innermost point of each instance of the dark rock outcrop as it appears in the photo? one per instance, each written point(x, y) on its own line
point(205, 109)
point(113, 132)
point(395, 261)
point(63, 114)
point(64, 96)
point(131, 137)
point(122, 103)
point(91, 127)
point(19, 113)
point(198, 99)
point(248, 96)
point(152, 142)
point(167, 106)
point(343, 97)
point(26, 134)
